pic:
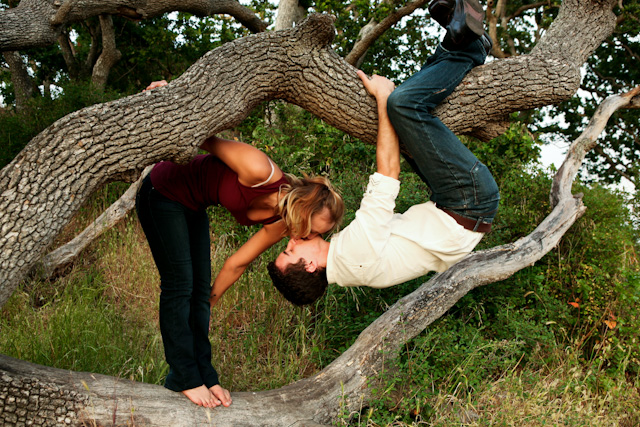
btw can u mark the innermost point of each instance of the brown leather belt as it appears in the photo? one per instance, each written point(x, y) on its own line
point(468, 223)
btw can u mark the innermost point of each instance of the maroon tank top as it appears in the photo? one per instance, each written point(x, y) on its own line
point(207, 181)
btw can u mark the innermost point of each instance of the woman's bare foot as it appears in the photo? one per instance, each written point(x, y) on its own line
point(220, 395)
point(201, 396)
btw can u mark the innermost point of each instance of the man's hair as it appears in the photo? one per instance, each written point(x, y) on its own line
point(296, 284)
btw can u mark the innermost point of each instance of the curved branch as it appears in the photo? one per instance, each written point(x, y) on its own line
point(587, 140)
point(376, 30)
point(110, 54)
point(35, 23)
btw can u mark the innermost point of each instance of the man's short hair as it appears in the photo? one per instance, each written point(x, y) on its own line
point(296, 284)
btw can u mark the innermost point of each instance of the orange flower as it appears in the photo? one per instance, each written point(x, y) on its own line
point(611, 324)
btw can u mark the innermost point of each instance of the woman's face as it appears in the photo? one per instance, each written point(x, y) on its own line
point(321, 223)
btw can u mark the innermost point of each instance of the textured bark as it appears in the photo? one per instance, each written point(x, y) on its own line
point(35, 23)
point(42, 188)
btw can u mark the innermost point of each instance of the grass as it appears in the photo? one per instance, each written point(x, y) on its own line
point(513, 353)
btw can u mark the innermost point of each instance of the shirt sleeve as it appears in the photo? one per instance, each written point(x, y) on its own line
point(376, 211)
point(359, 246)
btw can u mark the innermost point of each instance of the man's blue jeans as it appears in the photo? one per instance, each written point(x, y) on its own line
point(458, 180)
point(180, 245)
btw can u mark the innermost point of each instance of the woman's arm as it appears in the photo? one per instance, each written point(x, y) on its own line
point(252, 165)
point(235, 265)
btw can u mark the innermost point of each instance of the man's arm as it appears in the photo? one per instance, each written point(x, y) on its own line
point(388, 146)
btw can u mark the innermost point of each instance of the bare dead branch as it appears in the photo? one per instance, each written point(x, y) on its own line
point(377, 29)
point(586, 141)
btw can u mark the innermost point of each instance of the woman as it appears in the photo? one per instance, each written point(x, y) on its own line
point(171, 207)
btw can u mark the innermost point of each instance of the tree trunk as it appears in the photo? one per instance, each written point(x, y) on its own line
point(110, 54)
point(289, 13)
point(47, 182)
point(23, 86)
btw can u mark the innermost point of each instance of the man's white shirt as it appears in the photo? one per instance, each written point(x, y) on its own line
point(380, 248)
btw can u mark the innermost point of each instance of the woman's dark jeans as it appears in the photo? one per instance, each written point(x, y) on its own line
point(179, 241)
point(458, 180)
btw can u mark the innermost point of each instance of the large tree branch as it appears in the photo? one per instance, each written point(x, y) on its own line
point(35, 23)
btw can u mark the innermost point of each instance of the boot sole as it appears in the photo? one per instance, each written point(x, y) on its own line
point(474, 14)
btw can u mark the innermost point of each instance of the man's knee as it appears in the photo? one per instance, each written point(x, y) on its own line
point(399, 105)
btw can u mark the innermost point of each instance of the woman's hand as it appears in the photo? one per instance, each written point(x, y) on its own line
point(235, 265)
point(154, 85)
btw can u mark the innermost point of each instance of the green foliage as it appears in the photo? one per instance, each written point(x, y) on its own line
point(164, 47)
point(300, 143)
point(399, 52)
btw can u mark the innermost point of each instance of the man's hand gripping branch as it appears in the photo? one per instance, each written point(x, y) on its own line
point(388, 146)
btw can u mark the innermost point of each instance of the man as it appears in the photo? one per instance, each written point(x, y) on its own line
point(380, 248)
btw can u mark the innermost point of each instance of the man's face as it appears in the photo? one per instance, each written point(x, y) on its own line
point(297, 249)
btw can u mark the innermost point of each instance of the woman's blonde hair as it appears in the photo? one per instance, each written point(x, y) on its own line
point(304, 197)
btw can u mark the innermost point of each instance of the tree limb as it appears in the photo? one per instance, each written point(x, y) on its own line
point(587, 140)
point(35, 23)
point(110, 54)
point(22, 83)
